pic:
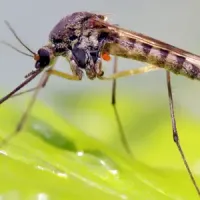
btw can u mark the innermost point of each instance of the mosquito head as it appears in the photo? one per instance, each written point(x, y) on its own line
point(42, 58)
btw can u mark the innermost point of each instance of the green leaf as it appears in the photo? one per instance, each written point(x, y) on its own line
point(72, 151)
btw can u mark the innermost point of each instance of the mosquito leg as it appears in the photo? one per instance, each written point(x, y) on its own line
point(113, 102)
point(24, 92)
point(50, 72)
point(64, 75)
point(175, 132)
point(130, 72)
point(25, 114)
point(113, 77)
point(31, 89)
point(41, 84)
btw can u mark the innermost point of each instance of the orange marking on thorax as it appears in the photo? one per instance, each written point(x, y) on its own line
point(106, 57)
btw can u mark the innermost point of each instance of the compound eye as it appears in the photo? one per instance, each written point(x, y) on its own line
point(44, 58)
point(37, 65)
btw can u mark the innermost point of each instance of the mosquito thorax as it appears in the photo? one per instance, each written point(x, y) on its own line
point(44, 57)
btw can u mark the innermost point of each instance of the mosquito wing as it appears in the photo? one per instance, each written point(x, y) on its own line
point(154, 42)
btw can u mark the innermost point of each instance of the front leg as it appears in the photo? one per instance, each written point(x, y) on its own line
point(76, 71)
point(131, 72)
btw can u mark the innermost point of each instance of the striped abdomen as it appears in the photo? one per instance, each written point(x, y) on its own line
point(133, 49)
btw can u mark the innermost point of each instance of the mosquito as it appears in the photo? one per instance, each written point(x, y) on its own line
point(85, 39)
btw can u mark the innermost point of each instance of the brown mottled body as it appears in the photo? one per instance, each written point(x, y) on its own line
point(144, 52)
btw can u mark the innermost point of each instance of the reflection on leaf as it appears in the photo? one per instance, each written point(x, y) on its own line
point(50, 135)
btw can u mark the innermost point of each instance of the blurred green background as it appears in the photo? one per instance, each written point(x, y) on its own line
point(70, 147)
